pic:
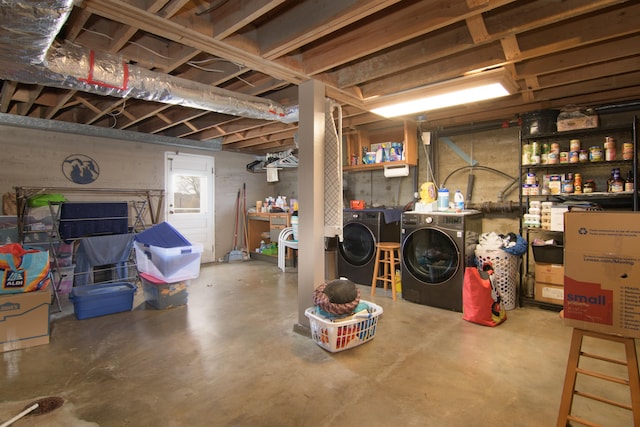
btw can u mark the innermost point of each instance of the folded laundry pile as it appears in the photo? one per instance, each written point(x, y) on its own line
point(511, 243)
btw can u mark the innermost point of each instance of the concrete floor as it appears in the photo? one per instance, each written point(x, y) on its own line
point(231, 358)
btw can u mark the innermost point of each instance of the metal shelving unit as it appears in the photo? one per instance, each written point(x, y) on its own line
point(597, 171)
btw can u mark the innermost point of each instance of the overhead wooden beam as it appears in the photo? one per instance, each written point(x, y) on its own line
point(8, 89)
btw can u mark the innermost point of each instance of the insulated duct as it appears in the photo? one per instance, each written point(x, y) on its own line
point(32, 26)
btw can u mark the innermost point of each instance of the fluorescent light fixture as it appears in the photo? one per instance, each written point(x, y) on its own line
point(472, 88)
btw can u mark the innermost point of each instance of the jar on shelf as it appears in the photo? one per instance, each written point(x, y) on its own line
point(574, 157)
point(609, 149)
point(616, 183)
point(589, 186)
point(595, 153)
point(577, 183)
point(567, 184)
point(535, 153)
point(544, 153)
point(583, 156)
point(526, 154)
point(574, 145)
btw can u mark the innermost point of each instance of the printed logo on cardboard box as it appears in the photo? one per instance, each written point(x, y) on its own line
point(591, 304)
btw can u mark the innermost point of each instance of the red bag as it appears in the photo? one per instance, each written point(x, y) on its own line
point(480, 299)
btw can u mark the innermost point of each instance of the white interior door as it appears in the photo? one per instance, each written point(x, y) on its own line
point(189, 208)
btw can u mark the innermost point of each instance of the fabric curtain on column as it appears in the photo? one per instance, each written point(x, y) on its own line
point(333, 171)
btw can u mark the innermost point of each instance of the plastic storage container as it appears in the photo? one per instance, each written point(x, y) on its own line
point(164, 253)
point(443, 199)
point(338, 335)
point(538, 122)
point(162, 295)
point(99, 300)
point(550, 254)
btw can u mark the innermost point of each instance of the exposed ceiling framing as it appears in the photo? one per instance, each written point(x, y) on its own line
point(559, 52)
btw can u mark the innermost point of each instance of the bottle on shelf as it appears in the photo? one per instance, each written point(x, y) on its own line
point(459, 200)
point(628, 183)
point(615, 183)
point(589, 186)
point(577, 183)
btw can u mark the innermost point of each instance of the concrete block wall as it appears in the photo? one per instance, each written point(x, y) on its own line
point(33, 158)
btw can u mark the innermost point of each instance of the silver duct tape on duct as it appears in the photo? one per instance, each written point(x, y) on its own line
point(108, 74)
point(33, 25)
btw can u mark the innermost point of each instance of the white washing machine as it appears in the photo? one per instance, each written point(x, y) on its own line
point(436, 248)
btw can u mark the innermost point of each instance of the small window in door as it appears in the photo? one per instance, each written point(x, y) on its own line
point(187, 193)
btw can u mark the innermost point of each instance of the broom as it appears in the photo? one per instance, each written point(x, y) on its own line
point(235, 254)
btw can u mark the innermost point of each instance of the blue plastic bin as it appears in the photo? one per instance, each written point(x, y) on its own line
point(162, 235)
point(100, 300)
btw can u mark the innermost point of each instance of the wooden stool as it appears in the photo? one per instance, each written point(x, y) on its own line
point(564, 415)
point(388, 254)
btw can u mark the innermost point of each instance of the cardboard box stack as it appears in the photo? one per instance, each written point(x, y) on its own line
point(549, 283)
point(602, 272)
point(549, 271)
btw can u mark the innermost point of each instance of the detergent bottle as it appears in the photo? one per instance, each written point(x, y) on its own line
point(458, 198)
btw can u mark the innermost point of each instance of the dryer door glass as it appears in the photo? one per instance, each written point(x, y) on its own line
point(358, 245)
point(430, 255)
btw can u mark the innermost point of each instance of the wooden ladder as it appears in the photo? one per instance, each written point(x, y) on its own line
point(569, 391)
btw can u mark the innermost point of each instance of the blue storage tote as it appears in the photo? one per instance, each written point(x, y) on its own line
point(99, 300)
point(164, 253)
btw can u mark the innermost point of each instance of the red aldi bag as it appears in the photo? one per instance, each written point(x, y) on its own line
point(480, 299)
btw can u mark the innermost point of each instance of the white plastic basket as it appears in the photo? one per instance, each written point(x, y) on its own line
point(338, 335)
point(505, 273)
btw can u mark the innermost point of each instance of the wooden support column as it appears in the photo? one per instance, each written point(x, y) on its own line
point(310, 196)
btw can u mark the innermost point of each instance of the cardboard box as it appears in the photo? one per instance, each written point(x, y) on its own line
point(602, 272)
point(24, 319)
point(576, 121)
point(546, 292)
point(549, 273)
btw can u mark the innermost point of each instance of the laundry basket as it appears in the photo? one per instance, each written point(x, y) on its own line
point(341, 334)
point(505, 273)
